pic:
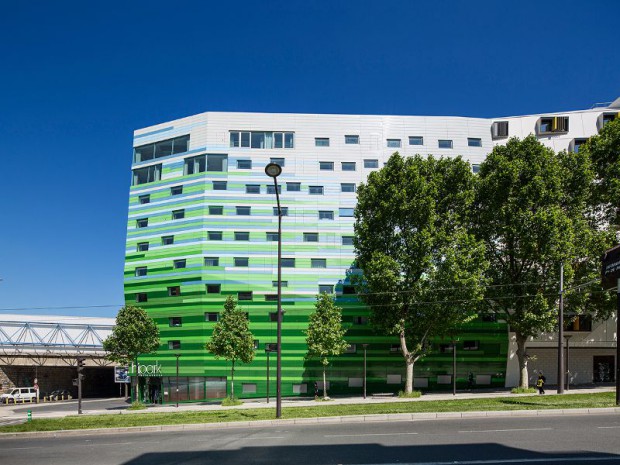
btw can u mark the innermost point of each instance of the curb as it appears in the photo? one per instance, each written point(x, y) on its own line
point(316, 420)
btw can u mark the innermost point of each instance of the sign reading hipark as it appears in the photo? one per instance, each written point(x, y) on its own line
point(610, 272)
point(146, 370)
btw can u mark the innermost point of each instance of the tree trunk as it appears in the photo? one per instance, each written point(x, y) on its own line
point(409, 361)
point(324, 383)
point(134, 381)
point(522, 358)
point(232, 381)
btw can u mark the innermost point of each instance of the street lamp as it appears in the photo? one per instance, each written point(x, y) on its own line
point(567, 337)
point(561, 333)
point(268, 349)
point(453, 367)
point(365, 346)
point(273, 170)
point(177, 356)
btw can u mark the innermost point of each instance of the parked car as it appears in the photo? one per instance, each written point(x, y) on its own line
point(21, 394)
point(60, 394)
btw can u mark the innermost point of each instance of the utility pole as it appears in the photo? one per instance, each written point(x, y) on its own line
point(561, 333)
point(81, 362)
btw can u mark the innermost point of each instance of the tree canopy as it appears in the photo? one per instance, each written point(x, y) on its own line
point(325, 333)
point(423, 271)
point(232, 338)
point(135, 333)
point(533, 212)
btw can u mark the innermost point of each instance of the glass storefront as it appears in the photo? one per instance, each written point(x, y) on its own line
point(193, 388)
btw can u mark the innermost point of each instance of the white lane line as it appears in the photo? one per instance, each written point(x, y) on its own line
point(22, 448)
point(607, 427)
point(364, 435)
point(505, 430)
point(500, 461)
point(263, 437)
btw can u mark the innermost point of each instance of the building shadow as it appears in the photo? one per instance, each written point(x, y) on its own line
point(369, 453)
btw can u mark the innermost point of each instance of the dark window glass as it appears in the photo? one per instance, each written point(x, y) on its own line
point(176, 190)
point(174, 345)
point(143, 246)
point(345, 212)
point(474, 142)
point(348, 290)
point(243, 211)
point(393, 143)
point(271, 297)
point(271, 189)
point(347, 187)
point(318, 263)
point(350, 139)
point(219, 185)
point(212, 261)
point(348, 166)
point(141, 297)
point(283, 283)
point(246, 295)
point(214, 288)
point(288, 263)
point(195, 165)
point(216, 210)
point(326, 215)
point(175, 321)
point(277, 161)
point(241, 261)
point(214, 235)
point(252, 189)
point(326, 289)
point(416, 140)
point(470, 345)
point(283, 209)
point(144, 199)
point(142, 223)
point(244, 164)
point(347, 240)
point(178, 214)
point(271, 236)
point(180, 263)
point(444, 143)
point(321, 141)
point(242, 236)
point(315, 190)
point(174, 291)
point(371, 163)
point(140, 271)
point(293, 186)
point(167, 240)
point(147, 174)
point(216, 162)
point(212, 316)
point(311, 237)
point(326, 165)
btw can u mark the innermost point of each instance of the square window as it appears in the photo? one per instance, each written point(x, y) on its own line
point(371, 163)
point(475, 169)
point(315, 190)
point(393, 143)
point(326, 215)
point(219, 185)
point(395, 348)
point(444, 143)
point(214, 235)
point(216, 210)
point(348, 290)
point(289, 140)
point(347, 187)
point(249, 388)
point(347, 240)
point(176, 190)
point(243, 211)
point(288, 263)
point(142, 223)
point(212, 261)
point(175, 321)
point(140, 271)
point(578, 143)
point(283, 209)
point(499, 129)
point(326, 289)
point(271, 297)
point(180, 263)
point(470, 345)
point(271, 236)
point(244, 164)
point(351, 139)
point(416, 140)
point(146, 198)
point(321, 141)
point(326, 165)
point(242, 236)
point(167, 240)
point(216, 162)
point(273, 317)
point(318, 263)
point(178, 214)
point(345, 212)
point(474, 142)
point(352, 349)
point(293, 187)
point(174, 291)
point(246, 295)
point(311, 237)
point(348, 166)
point(271, 189)
point(360, 320)
point(282, 283)
point(142, 247)
point(252, 188)
point(174, 345)
point(277, 161)
point(141, 297)
point(241, 261)
point(212, 316)
point(214, 288)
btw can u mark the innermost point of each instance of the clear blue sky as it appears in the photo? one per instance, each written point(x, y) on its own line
point(78, 77)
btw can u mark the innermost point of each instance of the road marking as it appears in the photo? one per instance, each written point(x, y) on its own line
point(505, 430)
point(364, 435)
point(264, 437)
point(22, 448)
point(607, 427)
point(500, 461)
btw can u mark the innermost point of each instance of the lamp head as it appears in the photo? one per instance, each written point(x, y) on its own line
point(273, 170)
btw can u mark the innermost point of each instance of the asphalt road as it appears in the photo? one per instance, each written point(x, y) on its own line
point(66, 406)
point(562, 439)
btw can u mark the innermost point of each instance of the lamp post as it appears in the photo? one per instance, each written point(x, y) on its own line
point(561, 334)
point(453, 367)
point(567, 337)
point(177, 387)
point(274, 170)
point(268, 350)
point(365, 346)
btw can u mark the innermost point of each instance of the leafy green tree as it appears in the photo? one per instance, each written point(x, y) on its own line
point(423, 272)
point(135, 333)
point(232, 338)
point(325, 334)
point(533, 212)
point(604, 152)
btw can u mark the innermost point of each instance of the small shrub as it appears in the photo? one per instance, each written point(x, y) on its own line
point(411, 395)
point(231, 402)
point(520, 390)
point(136, 406)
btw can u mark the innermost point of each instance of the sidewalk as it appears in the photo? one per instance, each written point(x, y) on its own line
point(9, 415)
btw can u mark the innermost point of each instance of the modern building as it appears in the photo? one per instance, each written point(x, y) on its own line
point(203, 225)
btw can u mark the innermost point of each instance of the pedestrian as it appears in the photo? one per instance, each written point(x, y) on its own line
point(540, 383)
point(316, 390)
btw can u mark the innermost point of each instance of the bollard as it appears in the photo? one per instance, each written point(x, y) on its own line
point(29, 415)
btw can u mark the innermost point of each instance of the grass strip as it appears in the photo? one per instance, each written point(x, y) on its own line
point(567, 401)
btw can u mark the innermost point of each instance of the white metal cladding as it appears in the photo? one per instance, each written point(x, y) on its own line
point(53, 335)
